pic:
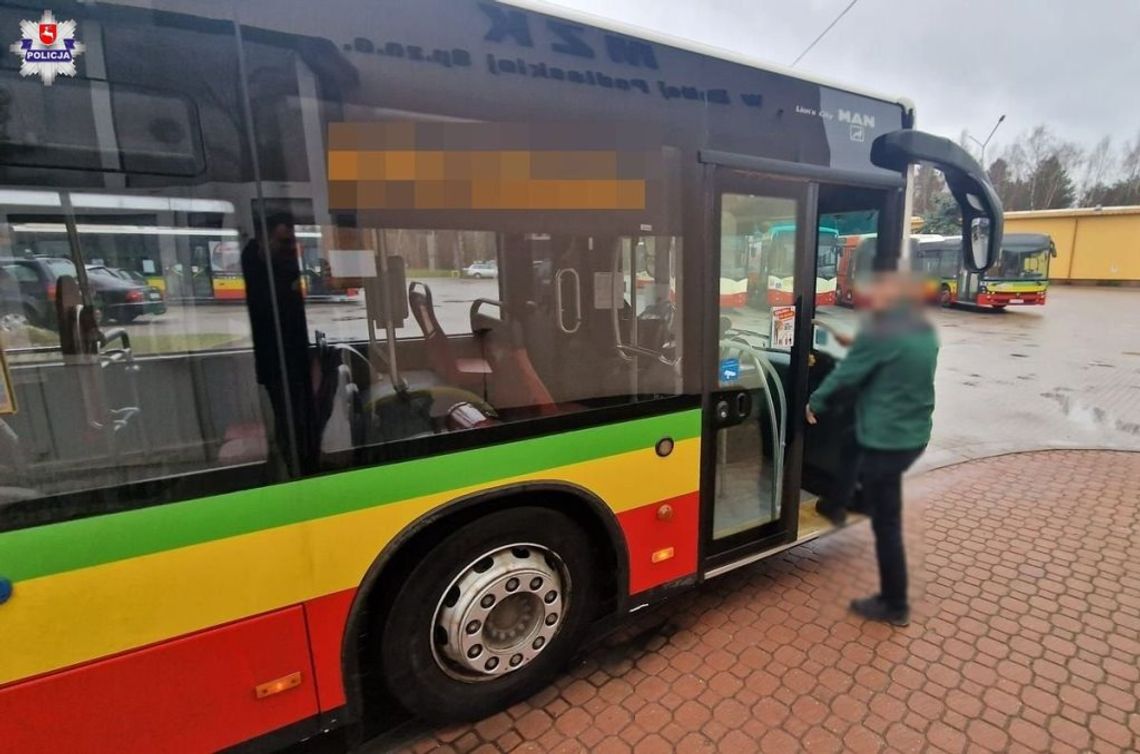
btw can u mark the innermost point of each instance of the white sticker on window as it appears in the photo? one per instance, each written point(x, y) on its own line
point(607, 290)
point(352, 263)
point(783, 327)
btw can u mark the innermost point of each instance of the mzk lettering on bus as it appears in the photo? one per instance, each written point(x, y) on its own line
point(47, 48)
point(513, 26)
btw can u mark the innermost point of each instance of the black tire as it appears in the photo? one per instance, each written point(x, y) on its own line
point(477, 276)
point(411, 670)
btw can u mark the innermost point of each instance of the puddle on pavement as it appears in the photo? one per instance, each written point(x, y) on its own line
point(1086, 415)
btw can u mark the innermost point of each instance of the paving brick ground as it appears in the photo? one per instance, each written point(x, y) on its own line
point(1025, 636)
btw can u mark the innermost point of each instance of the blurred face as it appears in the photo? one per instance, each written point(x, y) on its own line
point(889, 290)
point(883, 292)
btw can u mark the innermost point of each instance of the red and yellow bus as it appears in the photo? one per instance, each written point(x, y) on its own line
point(257, 522)
point(1020, 277)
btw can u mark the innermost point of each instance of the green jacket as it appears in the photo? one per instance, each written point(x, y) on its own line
point(890, 368)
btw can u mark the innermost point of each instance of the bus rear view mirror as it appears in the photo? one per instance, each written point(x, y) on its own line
point(982, 219)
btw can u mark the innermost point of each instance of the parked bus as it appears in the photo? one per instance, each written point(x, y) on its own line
point(1020, 277)
point(285, 517)
point(856, 254)
point(771, 263)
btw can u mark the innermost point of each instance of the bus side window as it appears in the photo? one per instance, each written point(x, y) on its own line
point(133, 193)
point(517, 310)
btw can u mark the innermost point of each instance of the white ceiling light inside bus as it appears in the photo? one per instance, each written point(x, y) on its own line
point(133, 230)
point(158, 203)
point(29, 198)
point(33, 198)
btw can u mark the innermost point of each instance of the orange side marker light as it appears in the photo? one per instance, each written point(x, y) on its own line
point(662, 555)
point(277, 685)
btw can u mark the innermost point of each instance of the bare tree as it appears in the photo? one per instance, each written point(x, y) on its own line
point(1100, 164)
point(1130, 163)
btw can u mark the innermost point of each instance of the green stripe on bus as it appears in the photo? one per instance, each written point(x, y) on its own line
point(55, 548)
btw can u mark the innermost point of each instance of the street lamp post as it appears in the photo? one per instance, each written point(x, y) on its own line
point(983, 144)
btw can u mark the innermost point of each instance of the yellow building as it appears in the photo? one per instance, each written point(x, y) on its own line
point(1100, 244)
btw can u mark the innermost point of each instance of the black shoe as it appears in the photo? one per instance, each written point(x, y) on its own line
point(874, 608)
point(836, 514)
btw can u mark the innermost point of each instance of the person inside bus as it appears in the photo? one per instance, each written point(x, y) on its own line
point(890, 370)
point(281, 341)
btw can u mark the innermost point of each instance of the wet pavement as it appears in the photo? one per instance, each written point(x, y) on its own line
point(1025, 637)
point(1066, 375)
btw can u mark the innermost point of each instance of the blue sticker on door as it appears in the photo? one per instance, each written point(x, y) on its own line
point(729, 371)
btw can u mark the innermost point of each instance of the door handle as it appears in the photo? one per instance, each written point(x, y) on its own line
point(743, 406)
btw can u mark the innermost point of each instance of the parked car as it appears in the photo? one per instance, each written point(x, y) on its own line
point(36, 278)
point(114, 297)
point(484, 269)
point(122, 295)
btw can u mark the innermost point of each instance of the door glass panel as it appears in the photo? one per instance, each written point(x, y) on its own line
point(757, 319)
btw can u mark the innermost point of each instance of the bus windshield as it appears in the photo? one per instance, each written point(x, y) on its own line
point(827, 253)
point(1020, 264)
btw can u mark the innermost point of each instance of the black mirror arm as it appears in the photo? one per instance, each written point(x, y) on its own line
point(898, 150)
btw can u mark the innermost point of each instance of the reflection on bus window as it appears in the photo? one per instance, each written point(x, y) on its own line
point(118, 226)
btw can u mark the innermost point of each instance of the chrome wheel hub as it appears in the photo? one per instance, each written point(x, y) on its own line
point(500, 612)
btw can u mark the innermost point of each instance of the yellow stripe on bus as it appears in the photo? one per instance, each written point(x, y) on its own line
point(80, 615)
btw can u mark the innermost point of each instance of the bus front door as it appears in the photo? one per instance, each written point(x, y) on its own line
point(750, 481)
point(968, 283)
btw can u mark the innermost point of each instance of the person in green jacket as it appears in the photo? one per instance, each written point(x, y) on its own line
point(890, 372)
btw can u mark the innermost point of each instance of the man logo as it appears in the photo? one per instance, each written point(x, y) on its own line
point(856, 119)
point(47, 48)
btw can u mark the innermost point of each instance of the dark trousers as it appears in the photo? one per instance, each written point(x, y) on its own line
point(881, 474)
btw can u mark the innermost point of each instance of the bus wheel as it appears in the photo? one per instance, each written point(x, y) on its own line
point(489, 615)
point(944, 296)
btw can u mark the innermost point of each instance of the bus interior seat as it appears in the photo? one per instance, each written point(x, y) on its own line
point(465, 373)
point(514, 383)
point(243, 443)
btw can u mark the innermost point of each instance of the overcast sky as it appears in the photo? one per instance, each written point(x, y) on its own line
point(1073, 65)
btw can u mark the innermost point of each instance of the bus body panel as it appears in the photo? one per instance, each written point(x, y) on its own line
point(195, 693)
point(112, 585)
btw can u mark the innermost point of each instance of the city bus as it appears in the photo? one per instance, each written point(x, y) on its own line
point(1019, 277)
point(856, 255)
point(247, 524)
point(773, 272)
point(762, 266)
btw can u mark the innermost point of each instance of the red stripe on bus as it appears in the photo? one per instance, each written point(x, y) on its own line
point(326, 617)
point(650, 531)
point(197, 693)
